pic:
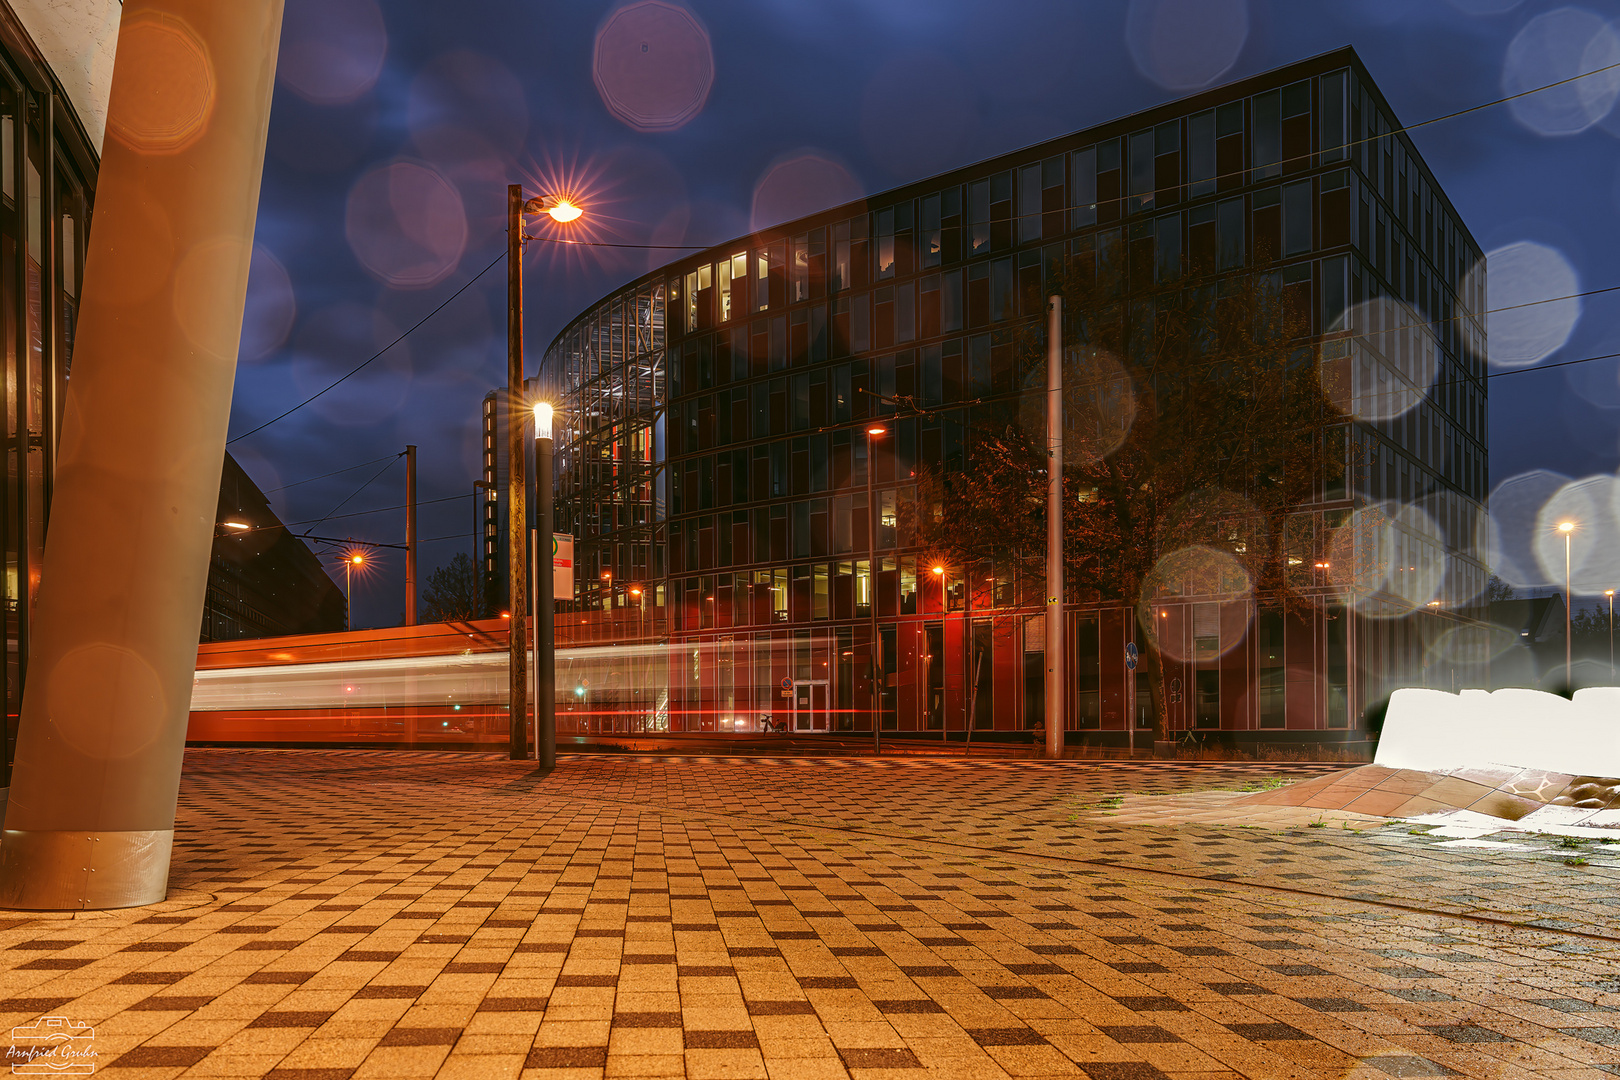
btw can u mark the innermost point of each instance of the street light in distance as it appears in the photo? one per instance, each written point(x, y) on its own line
point(1567, 527)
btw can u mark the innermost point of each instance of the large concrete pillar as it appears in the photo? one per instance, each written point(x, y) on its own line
point(90, 819)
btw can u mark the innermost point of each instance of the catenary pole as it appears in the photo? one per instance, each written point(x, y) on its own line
point(410, 536)
point(90, 819)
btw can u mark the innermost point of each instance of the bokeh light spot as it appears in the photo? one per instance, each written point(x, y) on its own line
point(1557, 45)
point(331, 50)
point(1526, 323)
point(1196, 603)
point(1514, 509)
point(1589, 504)
point(201, 279)
point(798, 183)
point(654, 65)
point(1099, 405)
point(271, 306)
point(165, 86)
point(1386, 364)
point(405, 223)
point(1185, 44)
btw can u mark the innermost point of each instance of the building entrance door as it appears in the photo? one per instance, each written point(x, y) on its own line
point(810, 705)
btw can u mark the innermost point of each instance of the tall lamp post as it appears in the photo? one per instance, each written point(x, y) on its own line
point(545, 656)
point(561, 209)
point(1610, 594)
point(1567, 527)
point(873, 432)
point(349, 564)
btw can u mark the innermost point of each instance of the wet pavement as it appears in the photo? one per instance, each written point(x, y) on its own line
point(340, 914)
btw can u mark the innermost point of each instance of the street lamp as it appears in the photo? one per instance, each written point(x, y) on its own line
point(561, 209)
point(545, 657)
point(1567, 527)
point(349, 564)
point(872, 434)
point(1610, 594)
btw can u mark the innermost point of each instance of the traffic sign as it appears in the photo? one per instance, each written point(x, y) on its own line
point(1130, 656)
point(787, 683)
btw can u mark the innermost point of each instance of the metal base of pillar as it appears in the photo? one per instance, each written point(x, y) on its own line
point(83, 871)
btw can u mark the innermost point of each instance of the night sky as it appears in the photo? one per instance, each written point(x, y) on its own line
point(396, 128)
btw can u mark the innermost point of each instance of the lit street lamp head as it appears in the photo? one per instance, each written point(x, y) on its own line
point(561, 208)
point(542, 420)
point(1566, 526)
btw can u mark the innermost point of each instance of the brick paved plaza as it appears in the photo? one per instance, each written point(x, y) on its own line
point(341, 914)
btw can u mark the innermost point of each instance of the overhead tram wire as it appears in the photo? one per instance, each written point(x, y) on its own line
point(417, 325)
point(694, 247)
point(323, 476)
point(356, 491)
point(356, 369)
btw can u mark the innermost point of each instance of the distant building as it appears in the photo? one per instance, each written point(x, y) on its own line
point(262, 580)
point(712, 416)
point(1532, 643)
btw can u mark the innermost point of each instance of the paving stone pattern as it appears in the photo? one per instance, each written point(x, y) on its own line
point(340, 914)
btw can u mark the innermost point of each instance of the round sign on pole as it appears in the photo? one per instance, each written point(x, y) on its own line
point(787, 683)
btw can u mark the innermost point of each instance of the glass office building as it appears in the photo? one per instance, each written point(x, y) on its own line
point(712, 451)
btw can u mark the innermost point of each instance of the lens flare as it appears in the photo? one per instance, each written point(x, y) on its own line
point(406, 224)
point(563, 210)
point(271, 306)
point(1195, 604)
point(653, 65)
point(166, 85)
point(1562, 44)
point(1514, 509)
point(1387, 560)
point(1099, 405)
point(1525, 323)
point(331, 51)
point(1587, 511)
point(1185, 44)
point(1384, 364)
point(798, 183)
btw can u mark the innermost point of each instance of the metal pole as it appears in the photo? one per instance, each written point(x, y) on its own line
point(1054, 529)
point(1569, 669)
point(410, 536)
point(1611, 637)
point(517, 532)
point(348, 592)
point(872, 432)
point(545, 655)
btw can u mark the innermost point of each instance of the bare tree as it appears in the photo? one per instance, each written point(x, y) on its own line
point(453, 593)
point(1199, 432)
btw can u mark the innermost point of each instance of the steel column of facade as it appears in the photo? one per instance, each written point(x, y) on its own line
point(517, 526)
point(410, 536)
point(545, 613)
point(1055, 689)
point(90, 820)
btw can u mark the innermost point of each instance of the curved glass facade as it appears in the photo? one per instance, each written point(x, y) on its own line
point(714, 465)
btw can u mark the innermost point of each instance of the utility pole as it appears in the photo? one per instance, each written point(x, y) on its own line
point(1054, 528)
point(517, 526)
point(410, 535)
